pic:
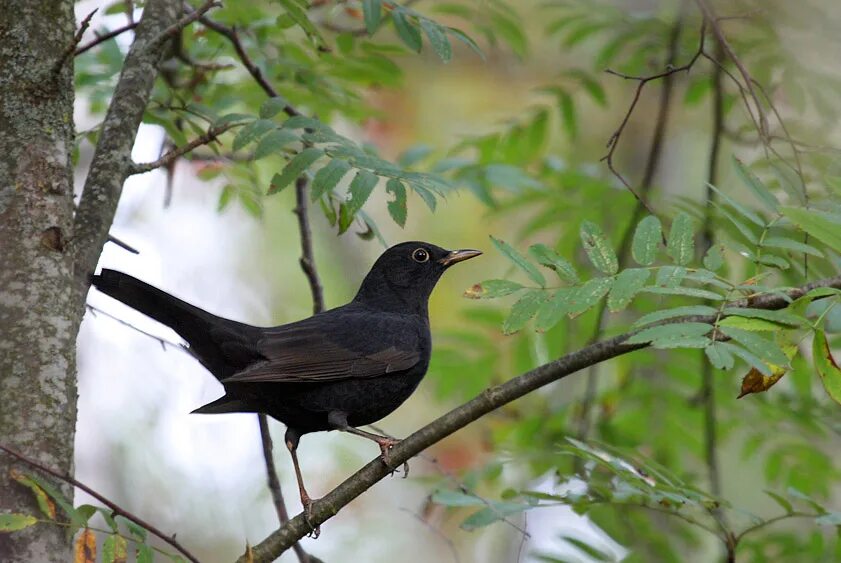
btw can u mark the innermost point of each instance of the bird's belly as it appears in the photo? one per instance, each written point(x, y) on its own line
point(305, 407)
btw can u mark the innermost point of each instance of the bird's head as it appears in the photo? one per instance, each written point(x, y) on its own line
point(403, 277)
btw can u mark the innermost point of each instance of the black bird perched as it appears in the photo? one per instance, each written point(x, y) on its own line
point(337, 370)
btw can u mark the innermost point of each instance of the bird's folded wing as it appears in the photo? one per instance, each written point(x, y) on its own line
point(302, 354)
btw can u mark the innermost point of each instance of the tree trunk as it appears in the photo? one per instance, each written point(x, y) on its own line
point(38, 316)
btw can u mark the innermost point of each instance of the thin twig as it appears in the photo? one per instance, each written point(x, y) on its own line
point(176, 153)
point(192, 15)
point(613, 141)
point(116, 509)
point(104, 37)
point(71, 49)
point(123, 245)
point(307, 259)
point(162, 341)
point(489, 400)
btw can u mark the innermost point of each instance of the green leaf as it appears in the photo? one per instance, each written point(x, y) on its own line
point(491, 289)
point(781, 317)
point(757, 187)
point(136, 530)
point(145, 554)
point(114, 549)
point(627, 284)
point(232, 118)
point(272, 107)
point(545, 256)
point(741, 209)
point(406, 30)
point(273, 142)
point(593, 553)
point(467, 40)
point(14, 522)
point(670, 276)
point(426, 195)
point(46, 506)
point(438, 39)
point(252, 132)
point(823, 226)
point(690, 310)
point(448, 497)
point(397, 207)
point(75, 518)
point(782, 501)
point(789, 244)
point(669, 331)
point(523, 310)
point(686, 291)
point(750, 324)
point(360, 190)
point(372, 12)
point(743, 228)
point(521, 261)
point(598, 248)
point(294, 169)
point(328, 177)
point(554, 309)
point(826, 366)
point(299, 16)
point(681, 243)
point(569, 119)
point(591, 85)
point(747, 356)
point(766, 350)
point(497, 511)
point(584, 297)
point(719, 356)
point(714, 258)
point(647, 237)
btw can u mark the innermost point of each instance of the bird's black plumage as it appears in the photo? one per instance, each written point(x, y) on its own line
point(339, 369)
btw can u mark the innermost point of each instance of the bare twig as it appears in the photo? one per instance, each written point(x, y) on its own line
point(192, 15)
point(162, 341)
point(307, 257)
point(123, 245)
point(71, 49)
point(116, 509)
point(176, 153)
point(104, 37)
point(487, 401)
point(613, 141)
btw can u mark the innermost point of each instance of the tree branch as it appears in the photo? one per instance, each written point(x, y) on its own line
point(111, 160)
point(307, 258)
point(116, 509)
point(487, 401)
point(70, 50)
point(105, 37)
point(176, 153)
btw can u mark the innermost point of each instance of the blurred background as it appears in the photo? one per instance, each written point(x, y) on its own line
point(203, 476)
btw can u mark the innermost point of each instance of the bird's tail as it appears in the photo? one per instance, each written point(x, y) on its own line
point(209, 336)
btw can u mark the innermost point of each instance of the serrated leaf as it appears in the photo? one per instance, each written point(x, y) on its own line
point(523, 310)
point(647, 237)
point(667, 331)
point(231, 118)
point(554, 309)
point(302, 122)
point(497, 511)
point(14, 522)
point(742, 227)
point(598, 248)
point(685, 291)
point(467, 40)
point(741, 209)
point(766, 350)
point(719, 356)
point(448, 497)
point(670, 276)
point(45, 504)
point(781, 317)
point(823, 226)
point(750, 324)
point(491, 289)
point(545, 256)
point(626, 285)
point(299, 15)
point(273, 142)
point(272, 107)
point(75, 518)
point(372, 13)
point(756, 186)
point(397, 207)
point(438, 39)
point(794, 245)
point(406, 30)
point(714, 258)
point(826, 366)
point(360, 190)
point(114, 549)
point(295, 168)
point(85, 547)
point(587, 295)
point(519, 260)
point(687, 311)
point(680, 245)
point(252, 132)
point(328, 177)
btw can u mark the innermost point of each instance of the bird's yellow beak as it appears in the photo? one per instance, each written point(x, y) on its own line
point(456, 256)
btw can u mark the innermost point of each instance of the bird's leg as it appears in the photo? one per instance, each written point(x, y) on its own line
point(339, 421)
point(292, 438)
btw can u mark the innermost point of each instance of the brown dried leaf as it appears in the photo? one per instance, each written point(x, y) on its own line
point(85, 550)
point(756, 382)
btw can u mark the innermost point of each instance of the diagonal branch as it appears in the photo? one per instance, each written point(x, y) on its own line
point(176, 153)
point(104, 37)
point(487, 401)
point(116, 510)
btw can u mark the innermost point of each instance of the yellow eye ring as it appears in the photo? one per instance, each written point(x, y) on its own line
point(420, 255)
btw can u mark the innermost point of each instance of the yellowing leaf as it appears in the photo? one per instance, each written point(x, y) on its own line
point(826, 366)
point(85, 549)
point(756, 382)
point(15, 522)
point(45, 503)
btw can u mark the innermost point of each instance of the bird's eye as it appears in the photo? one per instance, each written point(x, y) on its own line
point(420, 255)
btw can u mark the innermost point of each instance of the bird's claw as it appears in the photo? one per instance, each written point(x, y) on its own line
point(385, 445)
point(315, 530)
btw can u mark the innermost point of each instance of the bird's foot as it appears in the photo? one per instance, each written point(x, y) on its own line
point(315, 530)
point(385, 446)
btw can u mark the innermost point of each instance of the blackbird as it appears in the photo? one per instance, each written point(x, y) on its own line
point(337, 370)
